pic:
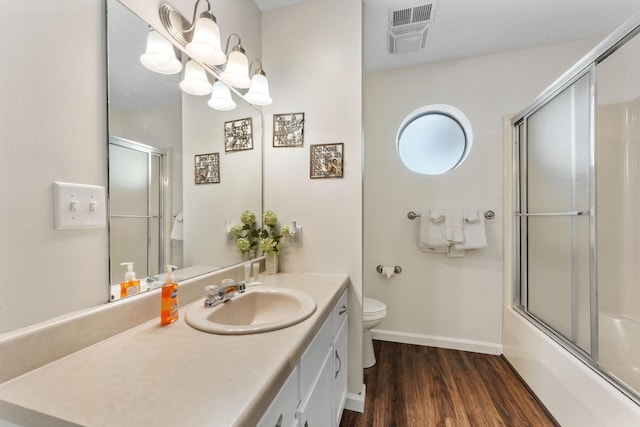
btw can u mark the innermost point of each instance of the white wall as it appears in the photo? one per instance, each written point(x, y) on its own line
point(450, 302)
point(318, 71)
point(52, 128)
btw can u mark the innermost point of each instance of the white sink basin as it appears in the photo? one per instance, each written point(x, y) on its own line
point(257, 310)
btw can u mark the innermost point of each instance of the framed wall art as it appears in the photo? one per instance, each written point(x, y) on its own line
point(238, 135)
point(326, 160)
point(288, 130)
point(207, 168)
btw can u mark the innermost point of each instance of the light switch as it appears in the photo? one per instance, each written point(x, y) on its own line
point(79, 206)
point(296, 239)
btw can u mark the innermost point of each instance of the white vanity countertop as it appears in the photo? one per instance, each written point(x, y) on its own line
point(172, 375)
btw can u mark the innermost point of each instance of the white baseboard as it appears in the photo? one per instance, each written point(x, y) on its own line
point(355, 402)
point(436, 341)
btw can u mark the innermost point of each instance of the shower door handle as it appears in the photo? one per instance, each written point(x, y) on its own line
point(574, 213)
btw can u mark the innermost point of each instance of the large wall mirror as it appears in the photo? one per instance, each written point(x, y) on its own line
point(174, 179)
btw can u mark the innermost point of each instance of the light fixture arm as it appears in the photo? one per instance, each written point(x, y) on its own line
point(177, 26)
point(205, 14)
point(237, 47)
point(259, 70)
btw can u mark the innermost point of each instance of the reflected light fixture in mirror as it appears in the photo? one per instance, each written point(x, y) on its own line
point(221, 98)
point(258, 93)
point(236, 69)
point(236, 72)
point(159, 55)
point(201, 36)
point(195, 81)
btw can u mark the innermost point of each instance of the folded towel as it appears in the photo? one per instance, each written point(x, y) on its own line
point(436, 215)
point(474, 231)
point(432, 236)
point(455, 253)
point(176, 232)
point(453, 225)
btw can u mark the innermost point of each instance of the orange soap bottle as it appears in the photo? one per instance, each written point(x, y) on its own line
point(131, 285)
point(169, 300)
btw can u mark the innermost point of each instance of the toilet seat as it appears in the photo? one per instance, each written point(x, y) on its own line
point(373, 309)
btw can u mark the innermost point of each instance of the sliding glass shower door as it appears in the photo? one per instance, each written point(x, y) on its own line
point(618, 205)
point(136, 197)
point(554, 213)
point(576, 205)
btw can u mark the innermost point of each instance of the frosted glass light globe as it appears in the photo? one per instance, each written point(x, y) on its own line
point(159, 55)
point(205, 45)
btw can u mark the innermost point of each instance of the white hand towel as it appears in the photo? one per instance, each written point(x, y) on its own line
point(453, 225)
point(432, 237)
point(455, 253)
point(475, 236)
point(176, 232)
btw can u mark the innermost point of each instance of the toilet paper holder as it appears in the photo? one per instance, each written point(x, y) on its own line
point(396, 269)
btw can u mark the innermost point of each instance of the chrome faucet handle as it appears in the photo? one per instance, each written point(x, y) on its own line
point(215, 295)
point(212, 295)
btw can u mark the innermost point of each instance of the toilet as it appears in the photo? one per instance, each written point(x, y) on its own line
point(373, 311)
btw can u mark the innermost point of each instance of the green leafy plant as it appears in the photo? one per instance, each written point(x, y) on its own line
point(271, 233)
point(267, 238)
point(247, 234)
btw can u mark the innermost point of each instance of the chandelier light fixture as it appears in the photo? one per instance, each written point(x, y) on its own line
point(201, 41)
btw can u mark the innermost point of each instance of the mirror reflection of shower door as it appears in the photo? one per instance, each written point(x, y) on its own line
point(555, 213)
point(136, 191)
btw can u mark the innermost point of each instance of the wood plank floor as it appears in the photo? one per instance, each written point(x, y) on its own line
point(416, 386)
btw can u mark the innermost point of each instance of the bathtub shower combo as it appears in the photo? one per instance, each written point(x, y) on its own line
point(577, 210)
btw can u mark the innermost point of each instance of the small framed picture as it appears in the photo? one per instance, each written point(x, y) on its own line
point(238, 135)
point(288, 130)
point(326, 160)
point(207, 168)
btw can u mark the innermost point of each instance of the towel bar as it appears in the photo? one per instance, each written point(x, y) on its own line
point(489, 215)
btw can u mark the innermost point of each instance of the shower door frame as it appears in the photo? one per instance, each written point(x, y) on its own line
point(586, 65)
point(163, 178)
point(520, 173)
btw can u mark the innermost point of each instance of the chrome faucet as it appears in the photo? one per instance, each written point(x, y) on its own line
point(216, 295)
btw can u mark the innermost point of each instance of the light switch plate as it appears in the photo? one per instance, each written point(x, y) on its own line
point(79, 206)
point(296, 240)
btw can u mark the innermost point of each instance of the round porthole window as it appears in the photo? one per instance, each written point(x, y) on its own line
point(434, 139)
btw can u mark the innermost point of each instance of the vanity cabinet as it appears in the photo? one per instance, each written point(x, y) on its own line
point(316, 390)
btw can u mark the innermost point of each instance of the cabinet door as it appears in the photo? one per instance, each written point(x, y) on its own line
point(282, 411)
point(317, 409)
point(313, 357)
point(341, 368)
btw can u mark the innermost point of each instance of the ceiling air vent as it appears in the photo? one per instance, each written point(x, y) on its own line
point(408, 27)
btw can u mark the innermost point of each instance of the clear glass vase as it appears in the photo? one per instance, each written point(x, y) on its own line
point(247, 256)
point(271, 263)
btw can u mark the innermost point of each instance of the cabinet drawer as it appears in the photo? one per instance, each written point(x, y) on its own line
point(340, 313)
point(312, 359)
